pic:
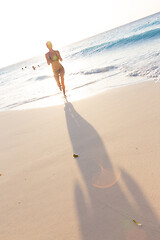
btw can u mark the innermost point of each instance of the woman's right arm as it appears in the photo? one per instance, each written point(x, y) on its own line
point(47, 58)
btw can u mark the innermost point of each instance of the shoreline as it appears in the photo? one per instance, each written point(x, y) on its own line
point(48, 194)
point(47, 101)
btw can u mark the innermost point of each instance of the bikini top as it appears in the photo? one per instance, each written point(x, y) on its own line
point(54, 57)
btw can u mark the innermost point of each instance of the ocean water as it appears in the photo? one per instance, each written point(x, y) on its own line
point(123, 56)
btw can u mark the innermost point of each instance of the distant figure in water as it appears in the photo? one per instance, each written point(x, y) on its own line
point(53, 57)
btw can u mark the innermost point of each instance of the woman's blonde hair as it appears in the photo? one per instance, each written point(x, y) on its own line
point(49, 44)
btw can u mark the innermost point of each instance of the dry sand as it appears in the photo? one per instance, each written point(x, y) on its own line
point(46, 194)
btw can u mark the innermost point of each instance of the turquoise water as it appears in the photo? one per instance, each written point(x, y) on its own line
point(126, 55)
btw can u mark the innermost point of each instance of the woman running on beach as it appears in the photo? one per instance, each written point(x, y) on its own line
point(53, 58)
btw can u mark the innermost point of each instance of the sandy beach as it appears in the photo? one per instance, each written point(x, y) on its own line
point(46, 194)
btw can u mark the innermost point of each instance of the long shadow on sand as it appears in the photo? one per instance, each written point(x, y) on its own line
point(103, 210)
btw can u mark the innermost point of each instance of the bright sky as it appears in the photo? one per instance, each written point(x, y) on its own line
point(26, 25)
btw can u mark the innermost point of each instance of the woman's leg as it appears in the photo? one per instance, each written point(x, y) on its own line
point(62, 72)
point(56, 76)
